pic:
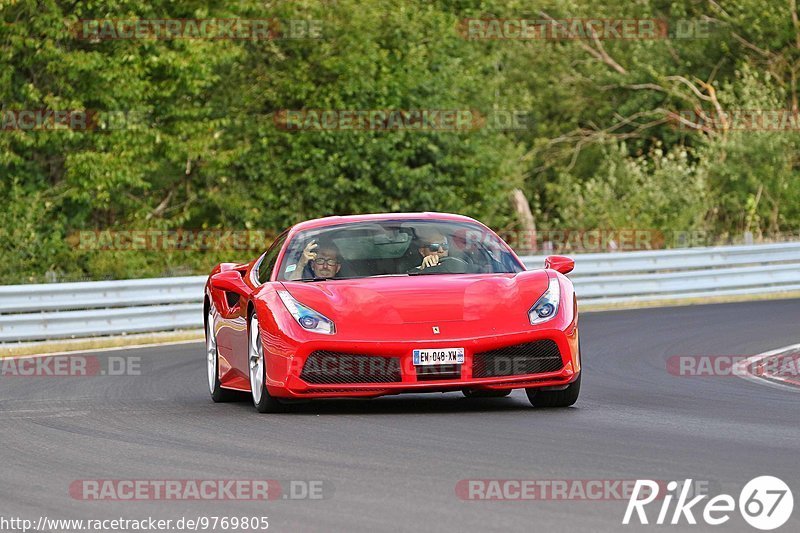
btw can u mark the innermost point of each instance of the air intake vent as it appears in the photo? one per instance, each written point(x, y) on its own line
point(528, 358)
point(435, 372)
point(324, 367)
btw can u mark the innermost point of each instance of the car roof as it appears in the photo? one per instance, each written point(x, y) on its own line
point(336, 220)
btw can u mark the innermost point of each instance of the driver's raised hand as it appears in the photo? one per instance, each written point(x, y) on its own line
point(429, 261)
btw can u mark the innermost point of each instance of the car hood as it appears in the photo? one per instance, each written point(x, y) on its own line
point(423, 299)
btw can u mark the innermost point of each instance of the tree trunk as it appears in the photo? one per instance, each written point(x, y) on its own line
point(527, 242)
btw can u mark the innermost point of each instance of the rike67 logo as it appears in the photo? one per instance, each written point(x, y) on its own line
point(765, 503)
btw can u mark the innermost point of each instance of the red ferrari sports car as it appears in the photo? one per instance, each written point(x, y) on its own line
point(370, 305)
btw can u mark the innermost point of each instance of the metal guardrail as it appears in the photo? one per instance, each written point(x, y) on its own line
point(64, 310)
point(91, 308)
point(629, 277)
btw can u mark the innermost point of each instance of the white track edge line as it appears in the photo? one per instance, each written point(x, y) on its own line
point(96, 350)
point(741, 369)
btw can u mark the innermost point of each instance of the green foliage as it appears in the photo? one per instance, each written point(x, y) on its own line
point(658, 191)
point(197, 147)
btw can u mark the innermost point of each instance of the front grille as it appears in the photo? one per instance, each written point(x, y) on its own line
point(538, 381)
point(323, 367)
point(342, 391)
point(434, 372)
point(528, 358)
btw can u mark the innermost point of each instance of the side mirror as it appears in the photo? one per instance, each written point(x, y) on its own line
point(559, 263)
point(230, 281)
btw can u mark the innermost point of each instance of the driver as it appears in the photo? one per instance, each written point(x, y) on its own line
point(318, 260)
point(433, 249)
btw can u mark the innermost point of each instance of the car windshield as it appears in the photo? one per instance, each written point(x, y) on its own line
point(395, 248)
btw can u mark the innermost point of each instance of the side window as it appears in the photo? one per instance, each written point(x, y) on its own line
point(270, 258)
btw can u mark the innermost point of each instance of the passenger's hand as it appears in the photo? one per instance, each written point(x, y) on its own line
point(429, 261)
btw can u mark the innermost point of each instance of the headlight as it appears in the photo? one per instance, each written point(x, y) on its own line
point(307, 317)
point(546, 307)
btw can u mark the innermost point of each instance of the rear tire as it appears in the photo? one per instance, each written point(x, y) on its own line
point(475, 393)
point(555, 398)
point(263, 402)
point(218, 394)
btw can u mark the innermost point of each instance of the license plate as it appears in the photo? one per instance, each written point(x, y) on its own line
point(439, 356)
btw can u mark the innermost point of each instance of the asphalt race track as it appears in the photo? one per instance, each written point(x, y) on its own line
point(393, 463)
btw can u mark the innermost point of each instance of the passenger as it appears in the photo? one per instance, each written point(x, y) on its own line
point(318, 261)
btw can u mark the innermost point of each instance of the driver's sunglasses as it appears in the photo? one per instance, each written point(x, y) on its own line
point(436, 246)
point(329, 262)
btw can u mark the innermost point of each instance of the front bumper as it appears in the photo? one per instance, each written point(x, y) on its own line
point(285, 370)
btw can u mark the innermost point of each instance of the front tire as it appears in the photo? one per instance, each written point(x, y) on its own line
point(555, 398)
point(218, 394)
point(263, 402)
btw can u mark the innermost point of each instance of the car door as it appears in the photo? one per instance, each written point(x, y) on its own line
point(231, 323)
point(236, 321)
